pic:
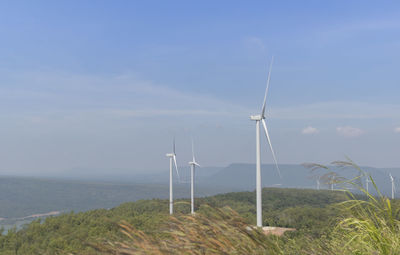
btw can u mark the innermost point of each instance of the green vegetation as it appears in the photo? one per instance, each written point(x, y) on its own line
point(327, 223)
point(78, 233)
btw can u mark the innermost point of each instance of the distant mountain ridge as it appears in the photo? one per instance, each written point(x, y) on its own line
point(243, 176)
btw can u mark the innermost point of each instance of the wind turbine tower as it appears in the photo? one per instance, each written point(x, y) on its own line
point(172, 161)
point(333, 179)
point(393, 187)
point(193, 165)
point(367, 181)
point(261, 118)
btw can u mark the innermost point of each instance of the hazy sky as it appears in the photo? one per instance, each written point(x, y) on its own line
point(106, 84)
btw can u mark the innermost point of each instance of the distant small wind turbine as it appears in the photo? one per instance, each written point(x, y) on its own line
point(193, 165)
point(318, 184)
point(172, 161)
point(367, 181)
point(393, 187)
point(331, 181)
point(258, 118)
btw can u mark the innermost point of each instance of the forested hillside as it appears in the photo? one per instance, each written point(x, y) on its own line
point(309, 211)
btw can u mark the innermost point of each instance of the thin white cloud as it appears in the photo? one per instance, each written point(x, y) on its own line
point(309, 130)
point(338, 110)
point(127, 95)
point(349, 131)
point(397, 130)
point(122, 95)
point(344, 30)
point(254, 43)
point(160, 112)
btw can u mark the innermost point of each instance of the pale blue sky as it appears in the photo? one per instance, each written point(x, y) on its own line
point(105, 84)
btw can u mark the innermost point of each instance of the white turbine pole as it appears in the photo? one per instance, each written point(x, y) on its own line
point(171, 196)
point(392, 181)
point(193, 165)
point(318, 184)
point(333, 178)
point(192, 189)
point(258, 176)
point(368, 181)
point(392, 190)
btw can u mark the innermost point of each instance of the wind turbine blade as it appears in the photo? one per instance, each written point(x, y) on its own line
point(270, 146)
point(176, 168)
point(193, 150)
point(196, 164)
point(266, 90)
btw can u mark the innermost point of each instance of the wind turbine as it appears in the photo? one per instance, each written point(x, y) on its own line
point(193, 165)
point(172, 161)
point(367, 181)
point(261, 118)
point(318, 183)
point(393, 187)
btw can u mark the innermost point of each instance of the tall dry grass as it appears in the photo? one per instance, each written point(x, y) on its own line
point(210, 231)
point(366, 226)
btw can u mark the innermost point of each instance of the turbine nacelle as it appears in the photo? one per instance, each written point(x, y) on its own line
point(194, 163)
point(256, 117)
point(172, 156)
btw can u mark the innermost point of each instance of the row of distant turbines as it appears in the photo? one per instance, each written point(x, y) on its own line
point(172, 162)
point(367, 182)
point(259, 118)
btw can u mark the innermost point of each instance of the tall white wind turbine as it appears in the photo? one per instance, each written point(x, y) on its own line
point(261, 118)
point(393, 187)
point(172, 161)
point(193, 165)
